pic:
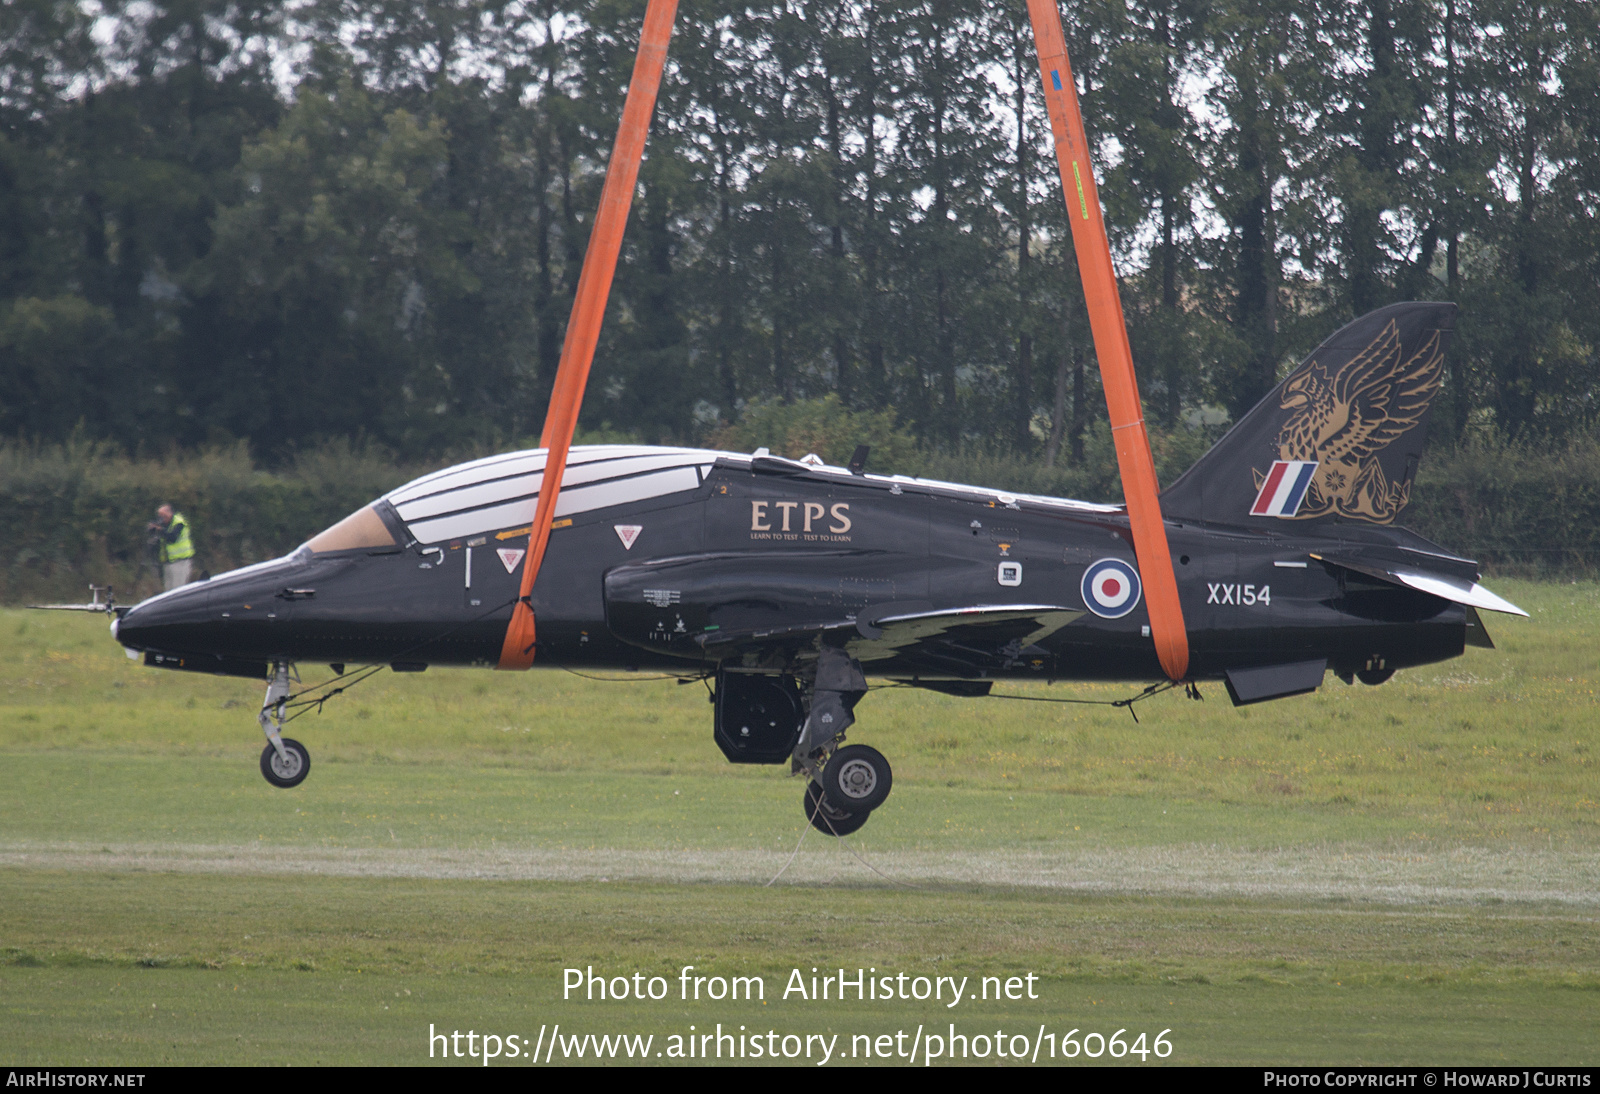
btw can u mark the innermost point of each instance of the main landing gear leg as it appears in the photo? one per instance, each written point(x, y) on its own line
point(285, 761)
point(845, 782)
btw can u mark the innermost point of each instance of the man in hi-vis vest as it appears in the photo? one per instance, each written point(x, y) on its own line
point(177, 547)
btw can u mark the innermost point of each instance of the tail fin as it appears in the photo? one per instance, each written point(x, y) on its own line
point(1339, 439)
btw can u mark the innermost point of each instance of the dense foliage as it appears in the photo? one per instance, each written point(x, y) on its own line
point(228, 220)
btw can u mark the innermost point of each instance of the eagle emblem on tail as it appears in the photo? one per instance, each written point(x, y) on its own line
point(1344, 419)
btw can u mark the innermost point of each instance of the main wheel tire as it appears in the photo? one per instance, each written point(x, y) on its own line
point(828, 820)
point(286, 774)
point(856, 779)
point(1374, 677)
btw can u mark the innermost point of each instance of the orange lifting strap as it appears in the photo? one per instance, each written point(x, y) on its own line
point(1111, 342)
point(588, 309)
point(1100, 293)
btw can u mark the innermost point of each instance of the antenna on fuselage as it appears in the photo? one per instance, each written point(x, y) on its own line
point(1110, 331)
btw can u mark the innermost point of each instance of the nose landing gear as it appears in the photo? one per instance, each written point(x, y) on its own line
point(285, 761)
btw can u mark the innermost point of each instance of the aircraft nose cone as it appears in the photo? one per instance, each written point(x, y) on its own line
point(170, 621)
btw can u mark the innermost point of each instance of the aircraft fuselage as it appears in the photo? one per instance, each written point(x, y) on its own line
point(760, 548)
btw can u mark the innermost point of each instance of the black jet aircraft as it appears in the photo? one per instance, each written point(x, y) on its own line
point(788, 583)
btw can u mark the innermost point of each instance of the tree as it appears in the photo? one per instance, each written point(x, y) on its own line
point(333, 266)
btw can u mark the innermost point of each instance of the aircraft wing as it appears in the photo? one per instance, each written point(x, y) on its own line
point(962, 642)
point(771, 608)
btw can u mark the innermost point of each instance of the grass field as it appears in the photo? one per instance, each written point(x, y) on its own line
point(1406, 874)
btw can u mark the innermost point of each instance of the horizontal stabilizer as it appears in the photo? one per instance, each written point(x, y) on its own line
point(1450, 587)
point(1275, 681)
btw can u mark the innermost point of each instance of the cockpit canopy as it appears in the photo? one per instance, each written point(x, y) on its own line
point(490, 495)
point(362, 530)
point(499, 493)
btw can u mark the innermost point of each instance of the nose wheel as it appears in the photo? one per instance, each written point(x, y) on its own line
point(288, 768)
point(285, 761)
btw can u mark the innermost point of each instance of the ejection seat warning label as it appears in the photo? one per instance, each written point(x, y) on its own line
point(802, 1016)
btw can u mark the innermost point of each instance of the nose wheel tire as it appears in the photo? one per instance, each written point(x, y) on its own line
point(286, 773)
point(828, 820)
point(856, 779)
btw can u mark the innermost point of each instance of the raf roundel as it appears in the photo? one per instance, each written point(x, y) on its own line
point(1111, 588)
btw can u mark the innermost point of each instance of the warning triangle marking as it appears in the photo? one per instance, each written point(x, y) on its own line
point(627, 533)
point(509, 557)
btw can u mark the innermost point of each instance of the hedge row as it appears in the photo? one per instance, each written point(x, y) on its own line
point(77, 513)
point(1518, 509)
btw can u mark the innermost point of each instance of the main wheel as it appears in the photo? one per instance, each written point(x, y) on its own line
point(828, 820)
point(1374, 677)
point(286, 773)
point(856, 779)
